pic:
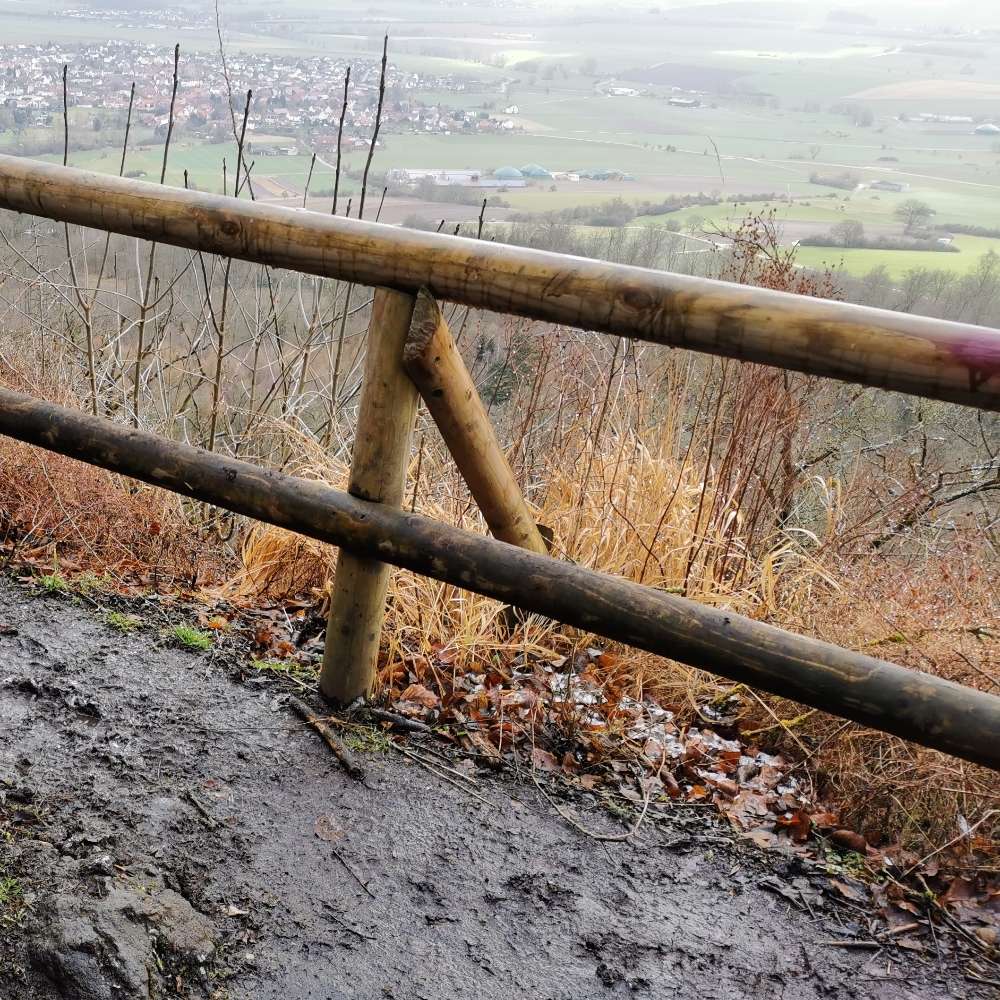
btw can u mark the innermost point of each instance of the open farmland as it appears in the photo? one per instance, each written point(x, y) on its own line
point(898, 262)
point(770, 97)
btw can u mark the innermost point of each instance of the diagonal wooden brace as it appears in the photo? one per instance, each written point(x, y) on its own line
point(433, 362)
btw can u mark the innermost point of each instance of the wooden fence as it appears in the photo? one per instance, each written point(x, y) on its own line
point(411, 354)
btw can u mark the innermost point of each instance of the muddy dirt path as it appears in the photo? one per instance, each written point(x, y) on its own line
point(175, 832)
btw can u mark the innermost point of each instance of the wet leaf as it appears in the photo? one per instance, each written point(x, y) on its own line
point(797, 823)
point(420, 695)
point(762, 838)
point(853, 892)
point(849, 840)
point(328, 828)
point(543, 760)
point(988, 935)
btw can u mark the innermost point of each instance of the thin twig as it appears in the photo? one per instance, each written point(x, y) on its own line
point(602, 837)
point(440, 772)
point(375, 131)
point(346, 758)
point(340, 137)
point(210, 820)
point(352, 872)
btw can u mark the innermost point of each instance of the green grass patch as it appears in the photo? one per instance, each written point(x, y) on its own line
point(12, 902)
point(54, 583)
point(89, 583)
point(284, 668)
point(121, 622)
point(898, 262)
point(364, 739)
point(191, 638)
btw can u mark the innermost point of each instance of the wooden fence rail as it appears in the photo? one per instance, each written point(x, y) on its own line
point(910, 704)
point(410, 348)
point(928, 357)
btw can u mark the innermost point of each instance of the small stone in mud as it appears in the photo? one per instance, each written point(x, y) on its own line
point(96, 949)
point(101, 864)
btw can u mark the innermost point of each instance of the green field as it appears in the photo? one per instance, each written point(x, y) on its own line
point(898, 262)
point(203, 162)
point(775, 88)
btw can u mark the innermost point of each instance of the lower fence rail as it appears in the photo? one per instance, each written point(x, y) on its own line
point(907, 703)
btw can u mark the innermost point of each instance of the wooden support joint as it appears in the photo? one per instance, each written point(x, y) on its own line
point(382, 446)
point(432, 360)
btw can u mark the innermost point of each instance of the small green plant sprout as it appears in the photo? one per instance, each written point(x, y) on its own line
point(12, 900)
point(89, 582)
point(191, 638)
point(283, 668)
point(122, 623)
point(54, 583)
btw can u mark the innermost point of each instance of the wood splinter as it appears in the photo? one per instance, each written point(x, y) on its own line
point(346, 758)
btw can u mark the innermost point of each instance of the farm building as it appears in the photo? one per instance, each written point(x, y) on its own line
point(452, 178)
point(606, 175)
point(508, 174)
point(987, 129)
point(443, 178)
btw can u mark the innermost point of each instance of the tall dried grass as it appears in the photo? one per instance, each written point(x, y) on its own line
point(652, 508)
point(71, 516)
point(732, 484)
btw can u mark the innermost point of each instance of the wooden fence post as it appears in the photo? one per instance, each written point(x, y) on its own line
point(382, 444)
point(432, 360)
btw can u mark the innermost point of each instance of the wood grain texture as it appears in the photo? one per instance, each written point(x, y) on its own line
point(382, 444)
point(433, 362)
point(907, 703)
point(929, 357)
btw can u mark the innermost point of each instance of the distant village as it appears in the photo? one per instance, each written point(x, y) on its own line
point(176, 18)
point(297, 97)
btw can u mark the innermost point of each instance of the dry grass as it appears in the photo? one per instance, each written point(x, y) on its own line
point(697, 476)
point(637, 518)
point(940, 615)
point(58, 511)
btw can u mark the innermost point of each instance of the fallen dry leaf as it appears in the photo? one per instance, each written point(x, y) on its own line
point(420, 695)
point(855, 893)
point(327, 828)
point(543, 760)
point(850, 840)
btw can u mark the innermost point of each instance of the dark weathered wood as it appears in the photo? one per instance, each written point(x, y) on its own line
point(910, 704)
point(346, 758)
point(929, 357)
point(432, 361)
point(382, 445)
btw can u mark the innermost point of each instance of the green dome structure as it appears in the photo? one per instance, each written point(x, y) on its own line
point(508, 174)
point(537, 171)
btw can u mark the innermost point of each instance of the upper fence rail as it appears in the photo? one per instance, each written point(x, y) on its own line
point(939, 359)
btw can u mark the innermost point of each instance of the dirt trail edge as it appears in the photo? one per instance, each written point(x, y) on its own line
point(169, 832)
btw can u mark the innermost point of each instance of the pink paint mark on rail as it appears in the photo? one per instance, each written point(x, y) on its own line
point(981, 354)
